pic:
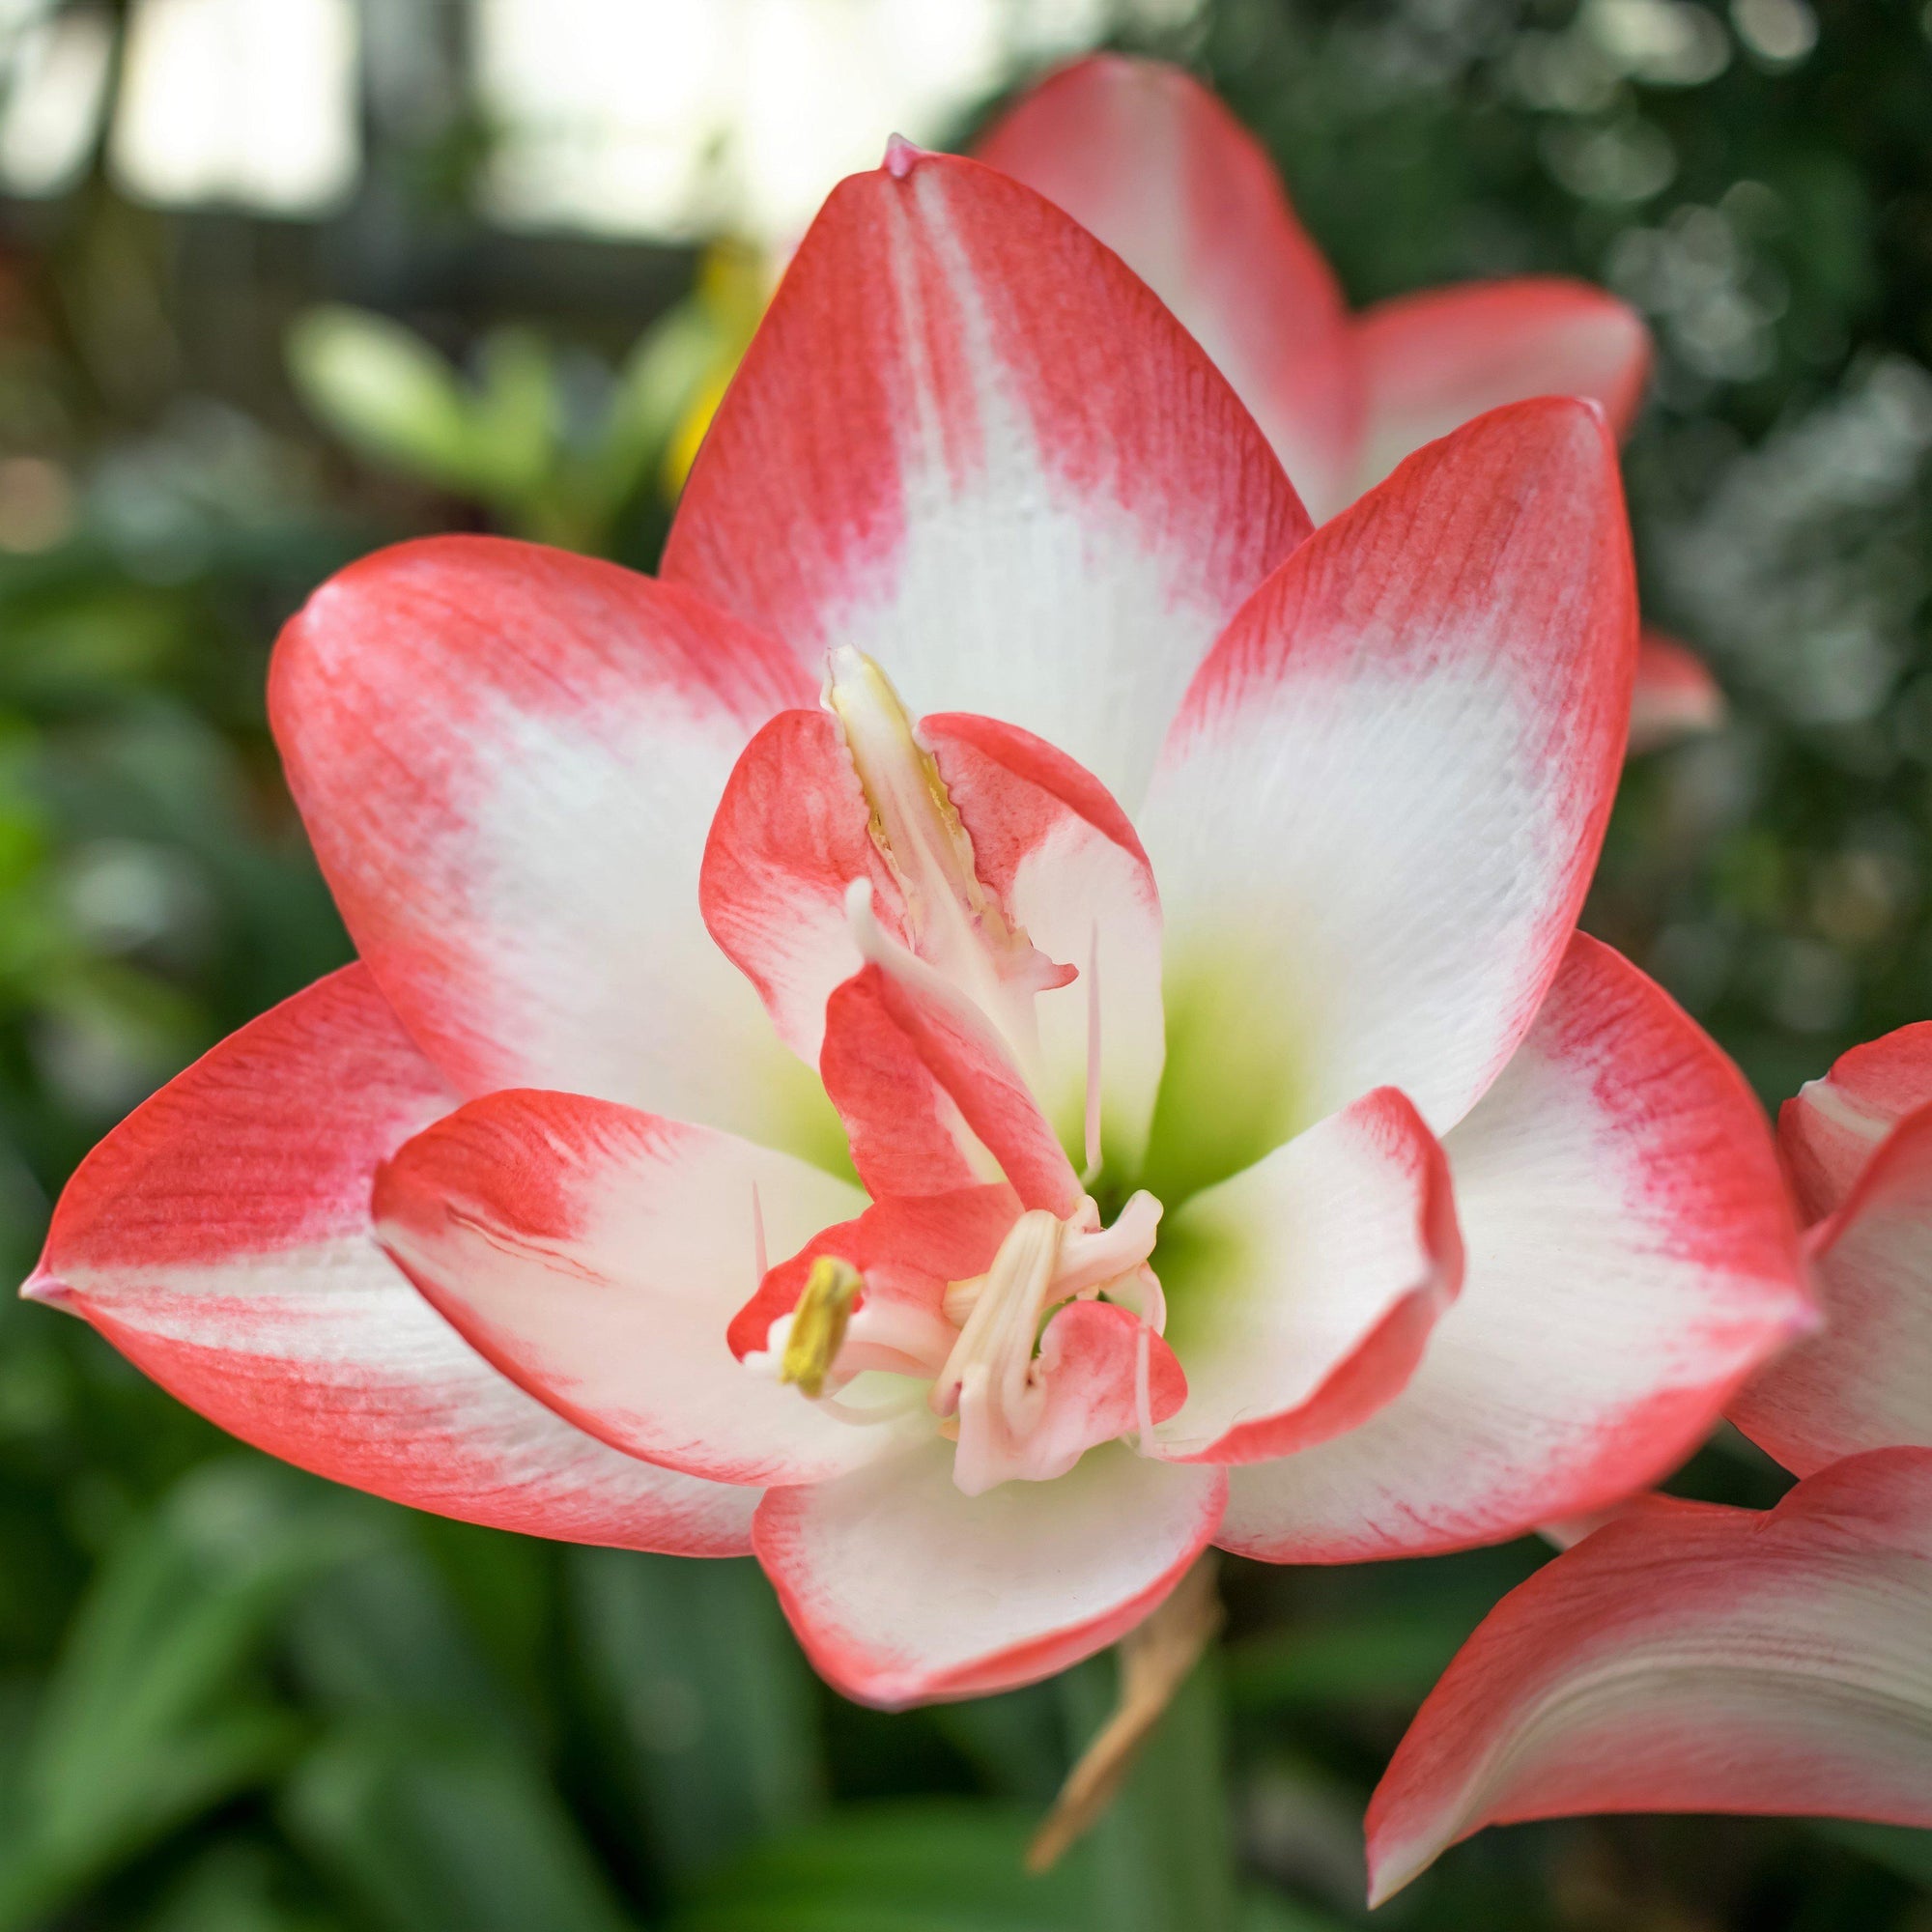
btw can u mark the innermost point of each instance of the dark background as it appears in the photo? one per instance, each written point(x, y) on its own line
point(233, 1701)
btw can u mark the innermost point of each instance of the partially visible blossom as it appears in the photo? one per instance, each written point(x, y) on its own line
point(1686, 1658)
point(1012, 1016)
point(1149, 161)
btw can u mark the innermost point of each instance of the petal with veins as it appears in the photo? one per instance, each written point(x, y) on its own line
point(968, 442)
point(1688, 1658)
point(1865, 1382)
point(901, 1589)
point(1300, 1294)
point(1377, 811)
point(507, 758)
point(1144, 157)
point(1828, 1132)
point(1435, 361)
point(1630, 1260)
point(221, 1239)
point(597, 1255)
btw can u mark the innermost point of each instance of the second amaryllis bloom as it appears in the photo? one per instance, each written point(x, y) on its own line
point(1015, 1016)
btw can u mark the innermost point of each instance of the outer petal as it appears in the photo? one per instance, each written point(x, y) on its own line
point(1049, 844)
point(1631, 1259)
point(1834, 1126)
point(597, 1255)
point(1691, 1658)
point(1434, 360)
point(1676, 695)
point(1866, 1382)
point(967, 440)
point(903, 1590)
point(507, 758)
point(1301, 1293)
point(1149, 160)
point(1379, 809)
point(221, 1239)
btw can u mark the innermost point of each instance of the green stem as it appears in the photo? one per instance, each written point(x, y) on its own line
point(1163, 1855)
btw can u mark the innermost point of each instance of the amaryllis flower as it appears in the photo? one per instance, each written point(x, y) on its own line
point(1012, 1016)
point(1149, 160)
point(1686, 1658)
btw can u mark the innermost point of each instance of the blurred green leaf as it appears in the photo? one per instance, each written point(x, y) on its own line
point(708, 1706)
point(897, 1867)
point(384, 392)
point(1896, 1847)
point(431, 1826)
point(148, 1720)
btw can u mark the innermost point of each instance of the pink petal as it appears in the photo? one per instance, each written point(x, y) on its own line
point(507, 758)
point(1865, 1382)
point(969, 442)
point(221, 1239)
point(597, 1255)
point(930, 1100)
point(1049, 845)
point(1305, 1289)
point(1835, 1125)
point(902, 1590)
point(1378, 810)
point(1434, 360)
point(1630, 1260)
point(1144, 157)
point(1690, 1659)
point(1676, 695)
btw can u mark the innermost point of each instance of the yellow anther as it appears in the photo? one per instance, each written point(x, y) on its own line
point(818, 1323)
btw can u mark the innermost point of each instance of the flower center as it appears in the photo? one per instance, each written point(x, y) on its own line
point(990, 1378)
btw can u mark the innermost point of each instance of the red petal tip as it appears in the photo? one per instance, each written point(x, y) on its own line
point(41, 1285)
point(902, 157)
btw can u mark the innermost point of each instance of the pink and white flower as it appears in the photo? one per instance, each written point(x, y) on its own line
point(1012, 1016)
point(1686, 1658)
point(1144, 157)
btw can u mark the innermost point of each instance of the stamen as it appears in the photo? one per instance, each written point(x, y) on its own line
point(758, 1258)
point(818, 1323)
point(1092, 1172)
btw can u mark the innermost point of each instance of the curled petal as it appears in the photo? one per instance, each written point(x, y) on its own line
point(1301, 1293)
point(903, 1590)
point(1435, 361)
point(1631, 1259)
point(221, 1239)
point(597, 1255)
point(1834, 1125)
point(1686, 1658)
point(930, 1097)
point(1866, 1380)
point(1144, 157)
point(968, 442)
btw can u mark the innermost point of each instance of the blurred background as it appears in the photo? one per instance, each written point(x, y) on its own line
point(281, 281)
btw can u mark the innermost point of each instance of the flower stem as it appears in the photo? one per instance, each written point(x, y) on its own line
point(1163, 1855)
